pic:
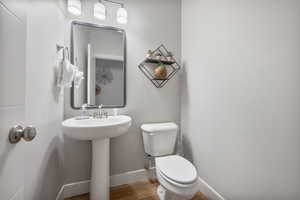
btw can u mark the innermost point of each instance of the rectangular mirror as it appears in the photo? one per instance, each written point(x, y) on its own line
point(99, 52)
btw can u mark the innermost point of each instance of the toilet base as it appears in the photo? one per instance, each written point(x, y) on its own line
point(164, 194)
point(161, 192)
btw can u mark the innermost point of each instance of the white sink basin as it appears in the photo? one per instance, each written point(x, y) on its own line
point(94, 129)
point(99, 131)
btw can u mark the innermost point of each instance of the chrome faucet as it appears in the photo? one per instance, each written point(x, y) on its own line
point(99, 113)
point(84, 114)
point(100, 110)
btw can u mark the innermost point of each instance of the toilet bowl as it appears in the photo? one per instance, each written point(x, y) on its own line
point(177, 176)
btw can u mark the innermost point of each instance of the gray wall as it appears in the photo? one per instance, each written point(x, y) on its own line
point(240, 95)
point(44, 102)
point(151, 23)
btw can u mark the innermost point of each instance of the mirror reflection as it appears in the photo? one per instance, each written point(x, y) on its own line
point(100, 53)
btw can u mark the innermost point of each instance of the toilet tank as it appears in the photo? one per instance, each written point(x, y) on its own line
point(159, 138)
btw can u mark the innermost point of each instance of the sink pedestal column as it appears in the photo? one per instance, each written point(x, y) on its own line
point(99, 188)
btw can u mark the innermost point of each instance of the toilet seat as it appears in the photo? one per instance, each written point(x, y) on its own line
point(177, 169)
point(174, 182)
point(177, 175)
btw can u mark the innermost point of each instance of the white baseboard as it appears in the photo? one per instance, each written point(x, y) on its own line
point(77, 188)
point(132, 176)
point(209, 191)
point(82, 187)
point(60, 195)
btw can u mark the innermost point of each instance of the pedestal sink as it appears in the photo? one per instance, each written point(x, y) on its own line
point(98, 131)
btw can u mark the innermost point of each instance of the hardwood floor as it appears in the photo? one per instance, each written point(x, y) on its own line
point(135, 191)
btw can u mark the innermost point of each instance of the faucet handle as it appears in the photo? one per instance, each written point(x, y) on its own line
point(84, 106)
point(84, 113)
point(105, 114)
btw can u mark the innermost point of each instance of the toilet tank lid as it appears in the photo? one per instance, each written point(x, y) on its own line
point(157, 127)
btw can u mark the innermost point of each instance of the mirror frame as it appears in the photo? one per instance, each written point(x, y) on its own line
point(124, 63)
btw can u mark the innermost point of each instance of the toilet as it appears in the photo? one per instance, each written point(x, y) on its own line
point(177, 176)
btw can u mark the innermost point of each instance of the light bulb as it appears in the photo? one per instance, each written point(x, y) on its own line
point(122, 16)
point(74, 7)
point(99, 11)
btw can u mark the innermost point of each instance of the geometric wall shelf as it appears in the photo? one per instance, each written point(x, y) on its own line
point(159, 66)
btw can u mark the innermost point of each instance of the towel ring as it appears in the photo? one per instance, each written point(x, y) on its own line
point(66, 53)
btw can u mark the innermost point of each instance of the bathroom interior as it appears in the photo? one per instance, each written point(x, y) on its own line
point(149, 100)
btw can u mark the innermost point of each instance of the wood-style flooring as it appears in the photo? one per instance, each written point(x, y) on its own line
point(135, 191)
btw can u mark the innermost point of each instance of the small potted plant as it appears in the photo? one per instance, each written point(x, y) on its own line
point(150, 54)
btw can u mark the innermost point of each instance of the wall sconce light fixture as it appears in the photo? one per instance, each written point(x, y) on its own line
point(122, 15)
point(74, 7)
point(100, 11)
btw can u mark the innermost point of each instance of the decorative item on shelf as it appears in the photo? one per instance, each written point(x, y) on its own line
point(170, 56)
point(159, 66)
point(150, 54)
point(160, 72)
point(158, 56)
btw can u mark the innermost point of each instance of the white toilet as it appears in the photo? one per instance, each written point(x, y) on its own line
point(177, 176)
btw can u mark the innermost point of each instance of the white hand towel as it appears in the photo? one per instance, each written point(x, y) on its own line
point(59, 73)
point(68, 73)
point(59, 67)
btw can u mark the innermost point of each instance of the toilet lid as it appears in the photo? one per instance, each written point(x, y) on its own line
point(177, 169)
point(159, 127)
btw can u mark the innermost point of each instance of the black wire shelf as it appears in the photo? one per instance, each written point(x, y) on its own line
point(149, 65)
point(157, 61)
